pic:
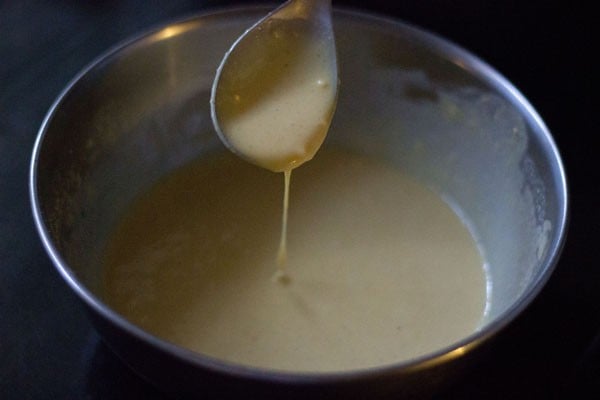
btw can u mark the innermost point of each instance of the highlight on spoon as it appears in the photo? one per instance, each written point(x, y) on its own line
point(275, 90)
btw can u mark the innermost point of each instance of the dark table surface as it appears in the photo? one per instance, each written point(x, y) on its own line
point(49, 350)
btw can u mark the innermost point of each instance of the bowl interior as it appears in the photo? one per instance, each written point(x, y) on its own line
point(406, 97)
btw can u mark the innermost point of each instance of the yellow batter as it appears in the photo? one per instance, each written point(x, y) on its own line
point(382, 270)
point(274, 98)
point(276, 95)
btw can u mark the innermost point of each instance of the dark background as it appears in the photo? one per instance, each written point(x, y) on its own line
point(49, 350)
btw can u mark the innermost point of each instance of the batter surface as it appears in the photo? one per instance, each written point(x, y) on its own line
point(381, 269)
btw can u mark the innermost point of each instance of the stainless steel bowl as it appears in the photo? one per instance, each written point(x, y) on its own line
point(407, 96)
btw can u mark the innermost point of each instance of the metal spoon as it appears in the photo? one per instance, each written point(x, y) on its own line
point(275, 90)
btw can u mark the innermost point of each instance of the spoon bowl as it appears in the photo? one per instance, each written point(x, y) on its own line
point(275, 90)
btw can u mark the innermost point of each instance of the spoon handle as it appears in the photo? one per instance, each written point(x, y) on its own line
point(305, 9)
